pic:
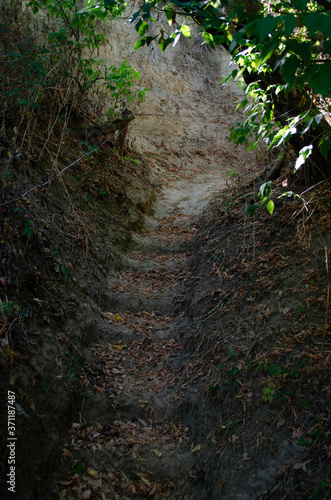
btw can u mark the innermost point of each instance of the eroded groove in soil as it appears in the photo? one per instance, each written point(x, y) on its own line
point(207, 377)
point(126, 443)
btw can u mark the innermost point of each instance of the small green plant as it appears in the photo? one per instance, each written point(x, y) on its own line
point(119, 80)
point(276, 370)
point(265, 196)
point(55, 62)
point(321, 492)
point(130, 159)
point(229, 206)
point(28, 229)
point(19, 212)
point(78, 468)
point(231, 375)
point(75, 359)
point(8, 308)
point(87, 147)
point(296, 371)
point(229, 427)
point(212, 389)
point(304, 441)
point(42, 385)
point(290, 194)
point(7, 178)
point(53, 251)
point(64, 272)
point(269, 392)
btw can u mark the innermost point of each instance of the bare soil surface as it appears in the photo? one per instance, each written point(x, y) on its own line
point(208, 377)
point(126, 442)
point(160, 343)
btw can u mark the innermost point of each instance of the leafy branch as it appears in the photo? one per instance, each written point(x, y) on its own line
point(283, 52)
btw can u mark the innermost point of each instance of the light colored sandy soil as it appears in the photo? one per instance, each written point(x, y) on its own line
point(187, 112)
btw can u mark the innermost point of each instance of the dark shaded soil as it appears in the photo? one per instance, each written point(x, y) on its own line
point(257, 348)
point(187, 359)
point(58, 245)
point(211, 381)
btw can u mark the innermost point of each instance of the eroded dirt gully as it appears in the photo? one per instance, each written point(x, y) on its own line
point(208, 377)
point(126, 442)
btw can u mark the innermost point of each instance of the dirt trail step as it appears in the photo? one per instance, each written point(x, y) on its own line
point(126, 443)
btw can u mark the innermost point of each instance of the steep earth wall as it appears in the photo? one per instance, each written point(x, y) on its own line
point(187, 112)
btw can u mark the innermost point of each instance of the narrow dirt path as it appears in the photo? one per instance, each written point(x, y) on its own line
point(125, 444)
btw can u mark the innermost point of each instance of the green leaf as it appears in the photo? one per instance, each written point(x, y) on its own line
point(78, 468)
point(230, 77)
point(321, 81)
point(219, 39)
point(325, 146)
point(310, 21)
point(270, 206)
point(308, 124)
point(143, 27)
point(251, 28)
point(327, 47)
point(289, 68)
point(135, 16)
point(318, 21)
point(265, 26)
point(209, 38)
point(317, 119)
point(186, 30)
point(267, 53)
point(265, 189)
point(300, 48)
point(289, 24)
point(263, 201)
point(147, 12)
point(303, 155)
point(149, 40)
point(139, 43)
point(237, 38)
point(283, 135)
point(109, 3)
point(170, 14)
point(164, 44)
point(252, 209)
point(301, 4)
